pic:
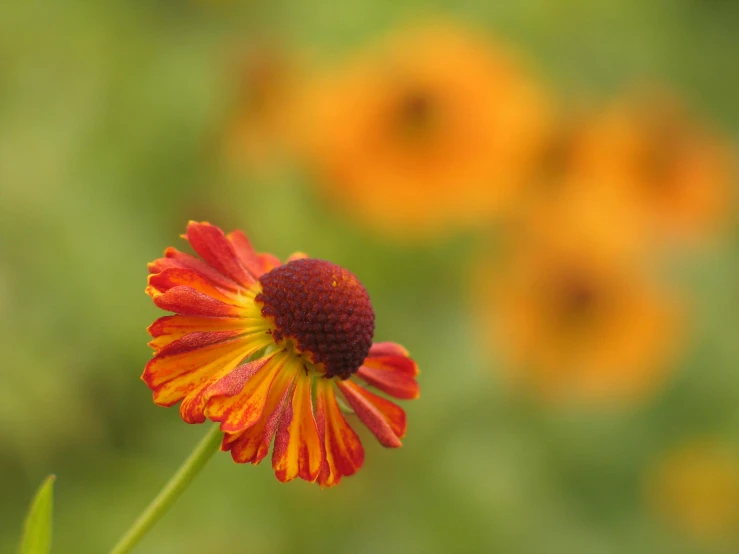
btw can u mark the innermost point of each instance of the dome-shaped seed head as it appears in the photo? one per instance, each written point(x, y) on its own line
point(324, 309)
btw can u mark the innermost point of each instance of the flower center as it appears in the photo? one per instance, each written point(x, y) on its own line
point(417, 115)
point(324, 309)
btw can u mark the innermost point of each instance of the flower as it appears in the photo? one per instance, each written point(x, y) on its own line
point(258, 133)
point(572, 212)
point(670, 167)
point(695, 489)
point(253, 341)
point(434, 129)
point(577, 320)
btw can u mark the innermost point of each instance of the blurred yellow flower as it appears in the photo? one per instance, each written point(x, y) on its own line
point(577, 320)
point(695, 489)
point(671, 168)
point(436, 128)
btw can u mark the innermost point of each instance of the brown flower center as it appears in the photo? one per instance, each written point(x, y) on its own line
point(575, 299)
point(324, 309)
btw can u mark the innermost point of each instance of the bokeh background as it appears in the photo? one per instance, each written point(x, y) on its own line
point(539, 196)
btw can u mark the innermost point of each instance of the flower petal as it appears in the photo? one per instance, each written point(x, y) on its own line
point(187, 349)
point(297, 450)
point(392, 374)
point(390, 381)
point(388, 368)
point(183, 366)
point(160, 283)
point(343, 453)
point(217, 251)
point(246, 253)
point(253, 444)
point(228, 379)
point(268, 262)
point(387, 349)
point(175, 258)
point(237, 409)
point(188, 301)
point(386, 420)
point(169, 328)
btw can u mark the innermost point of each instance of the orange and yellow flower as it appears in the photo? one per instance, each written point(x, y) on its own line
point(435, 129)
point(672, 169)
point(254, 342)
point(577, 321)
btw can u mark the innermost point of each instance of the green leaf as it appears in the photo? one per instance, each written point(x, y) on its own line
point(37, 529)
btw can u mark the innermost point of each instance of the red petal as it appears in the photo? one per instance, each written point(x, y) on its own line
point(253, 444)
point(388, 368)
point(343, 454)
point(246, 253)
point(268, 262)
point(188, 301)
point(229, 379)
point(394, 383)
point(176, 276)
point(197, 341)
point(213, 246)
point(239, 407)
point(386, 420)
point(387, 349)
point(169, 328)
point(175, 258)
point(297, 450)
point(184, 366)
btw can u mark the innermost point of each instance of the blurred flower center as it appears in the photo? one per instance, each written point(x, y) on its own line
point(556, 157)
point(323, 311)
point(575, 299)
point(417, 115)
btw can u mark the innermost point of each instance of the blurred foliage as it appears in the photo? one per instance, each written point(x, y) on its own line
point(111, 124)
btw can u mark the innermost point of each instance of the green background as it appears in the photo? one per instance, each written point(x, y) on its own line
point(107, 115)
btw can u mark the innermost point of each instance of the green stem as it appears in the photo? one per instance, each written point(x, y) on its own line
point(171, 491)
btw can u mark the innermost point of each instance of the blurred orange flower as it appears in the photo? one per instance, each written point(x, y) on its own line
point(566, 210)
point(436, 128)
point(695, 489)
point(577, 320)
point(261, 118)
point(255, 342)
point(673, 170)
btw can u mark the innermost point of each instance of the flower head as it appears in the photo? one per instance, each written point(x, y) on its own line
point(434, 129)
point(579, 321)
point(672, 168)
point(254, 343)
